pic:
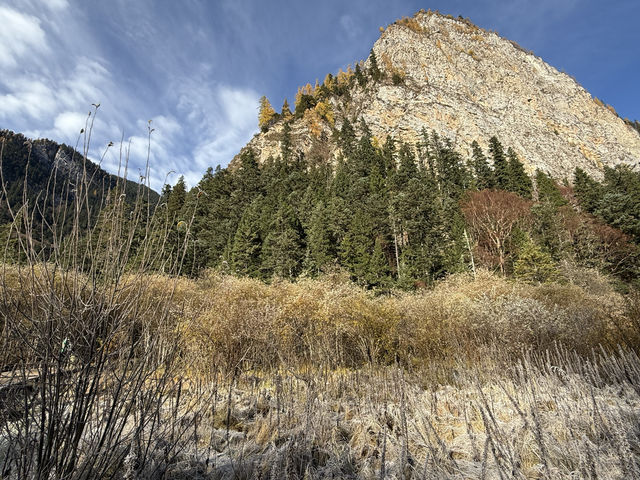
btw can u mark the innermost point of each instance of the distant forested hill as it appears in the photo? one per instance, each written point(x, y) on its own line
point(49, 176)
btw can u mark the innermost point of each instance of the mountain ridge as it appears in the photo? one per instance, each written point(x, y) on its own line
point(51, 166)
point(450, 76)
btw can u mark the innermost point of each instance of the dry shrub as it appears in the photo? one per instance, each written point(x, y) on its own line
point(411, 23)
point(250, 325)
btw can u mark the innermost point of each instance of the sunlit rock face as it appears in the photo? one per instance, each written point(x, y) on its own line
point(469, 84)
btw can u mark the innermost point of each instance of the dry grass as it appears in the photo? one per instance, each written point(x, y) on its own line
point(336, 324)
point(548, 416)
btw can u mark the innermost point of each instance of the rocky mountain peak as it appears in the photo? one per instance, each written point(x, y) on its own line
point(445, 74)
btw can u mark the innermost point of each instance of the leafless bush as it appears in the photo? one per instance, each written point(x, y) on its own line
point(89, 370)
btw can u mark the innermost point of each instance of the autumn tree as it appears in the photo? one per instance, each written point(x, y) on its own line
point(492, 216)
point(266, 114)
point(286, 110)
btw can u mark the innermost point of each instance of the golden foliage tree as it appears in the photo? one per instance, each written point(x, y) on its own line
point(266, 114)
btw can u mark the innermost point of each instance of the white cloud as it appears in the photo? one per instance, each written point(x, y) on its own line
point(68, 124)
point(28, 97)
point(20, 36)
point(197, 124)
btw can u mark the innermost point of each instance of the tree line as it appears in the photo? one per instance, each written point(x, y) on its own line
point(401, 215)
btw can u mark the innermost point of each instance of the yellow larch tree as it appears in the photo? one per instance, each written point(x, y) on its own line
point(266, 114)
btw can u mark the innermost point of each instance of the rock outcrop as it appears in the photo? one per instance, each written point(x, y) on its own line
point(447, 75)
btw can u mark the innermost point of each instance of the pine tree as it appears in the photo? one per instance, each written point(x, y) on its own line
point(519, 181)
point(284, 245)
point(548, 191)
point(266, 114)
point(500, 164)
point(247, 243)
point(587, 190)
point(374, 71)
point(286, 110)
point(482, 170)
point(320, 243)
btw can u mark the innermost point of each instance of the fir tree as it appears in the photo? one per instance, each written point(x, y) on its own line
point(587, 190)
point(320, 244)
point(347, 139)
point(284, 245)
point(247, 243)
point(357, 246)
point(500, 164)
point(374, 71)
point(481, 169)
point(519, 181)
point(548, 190)
point(378, 271)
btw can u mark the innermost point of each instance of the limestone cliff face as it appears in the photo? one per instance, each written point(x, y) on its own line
point(469, 84)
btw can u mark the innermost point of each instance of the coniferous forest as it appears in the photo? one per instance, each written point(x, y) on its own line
point(400, 215)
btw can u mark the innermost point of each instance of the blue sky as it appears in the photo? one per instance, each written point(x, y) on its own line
point(197, 68)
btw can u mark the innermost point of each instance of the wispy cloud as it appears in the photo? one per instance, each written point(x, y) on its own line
point(20, 36)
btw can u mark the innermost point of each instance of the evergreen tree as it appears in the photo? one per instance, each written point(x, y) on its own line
point(247, 243)
point(374, 71)
point(388, 156)
point(284, 245)
point(548, 191)
point(340, 206)
point(500, 164)
point(378, 272)
point(247, 179)
point(533, 264)
point(519, 181)
point(347, 139)
point(357, 246)
point(481, 169)
point(286, 147)
point(176, 199)
point(320, 244)
point(620, 202)
point(286, 110)
point(587, 190)
point(360, 77)
point(453, 176)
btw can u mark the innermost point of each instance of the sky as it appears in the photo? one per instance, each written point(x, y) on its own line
point(197, 69)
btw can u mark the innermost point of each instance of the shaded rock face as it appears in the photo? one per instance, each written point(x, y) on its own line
point(469, 84)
